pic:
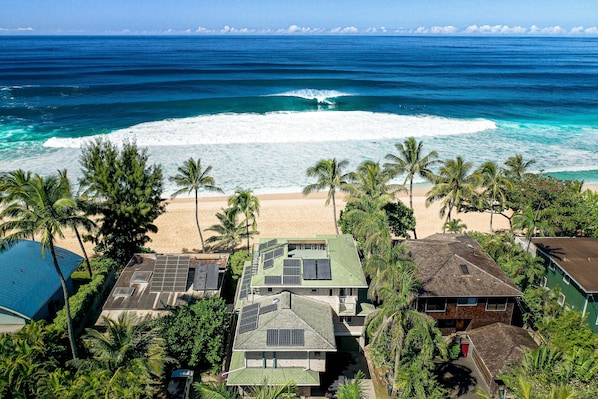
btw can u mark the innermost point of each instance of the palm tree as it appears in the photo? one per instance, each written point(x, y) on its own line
point(83, 222)
point(353, 388)
point(192, 178)
point(249, 205)
point(229, 232)
point(127, 345)
point(214, 391)
point(329, 175)
point(411, 161)
point(43, 207)
point(531, 222)
point(454, 185)
point(371, 180)
point(370, 222)
point(454, 226)
point(517, 167)
point(496, 188)
point(270, 391)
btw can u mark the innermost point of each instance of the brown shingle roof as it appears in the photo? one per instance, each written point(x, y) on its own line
point(577, 256)
point(499, 345)
point(451, 265)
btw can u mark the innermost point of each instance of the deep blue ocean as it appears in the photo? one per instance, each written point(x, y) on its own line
point(261, 110)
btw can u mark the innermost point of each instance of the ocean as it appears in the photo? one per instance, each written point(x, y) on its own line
point(261, 110)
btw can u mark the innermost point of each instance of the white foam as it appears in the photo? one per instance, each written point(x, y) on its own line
point(321, 96)
point(283, 127)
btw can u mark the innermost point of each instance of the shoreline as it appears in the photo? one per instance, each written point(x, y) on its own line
point(284, 215)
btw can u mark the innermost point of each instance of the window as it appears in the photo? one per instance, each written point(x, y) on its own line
point(435, 305)
point(314, 290)
point(269, 289)
point(543, 282)
point(467, 301)
point(551, 265)
point(566, 279)
point(496, 304)
point(346, 319)
point(597, 320)
point(561, 299)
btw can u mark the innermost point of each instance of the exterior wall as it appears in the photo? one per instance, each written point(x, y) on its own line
point(348, 325)
point(575, 297)
point(316, 360)
point(461, 317)
point(345, 306)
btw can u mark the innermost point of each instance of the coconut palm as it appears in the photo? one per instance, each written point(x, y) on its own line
point(83, 222)
point(329, 175)
point(370, 222)
point(215, 391)
point(229, 232)
point(249, 205)
point(454, 185)
point(411, 161)
point(496, 186)
point(352, 388)
point(454, 226)
point(127, 345)
point(531, 223)
point(371, 180)
point(43, 207)
point(191, 177)
point(386, 270)
point(271, 391)
point(517, 167)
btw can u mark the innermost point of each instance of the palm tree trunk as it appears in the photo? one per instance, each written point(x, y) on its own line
point(411, 203)
point(203, 247)
point(84, 251)
point(247, 232)
point(67, 307)
point(334, 210)
point(491, 212)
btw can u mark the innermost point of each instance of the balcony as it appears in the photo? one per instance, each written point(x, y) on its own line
point(347, 306)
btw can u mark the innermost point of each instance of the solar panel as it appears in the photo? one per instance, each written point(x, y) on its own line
point(249, 318)
point(271, 243)
point(268, 263)
point(278, 252)
point(272, 337)
point(309, 269)
point(269, 255)
point(250, 308)
point(291, 271)
point(272, 280)
point(291, 280)
point(291, 262)
point(323, 269)
point(245, 282)
point(268, 308)
point(284, 336)
point(170, 274)
point(212, 278)
point(199, 280)
point(298, 337)
point(247, 327)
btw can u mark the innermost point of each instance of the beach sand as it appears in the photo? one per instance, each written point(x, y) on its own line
point(283, 215)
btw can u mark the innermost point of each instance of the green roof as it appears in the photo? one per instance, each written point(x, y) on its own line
point(345, 268)
point(292, 311)
point(276, 376)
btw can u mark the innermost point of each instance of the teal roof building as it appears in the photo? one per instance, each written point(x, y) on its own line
point(29, 287)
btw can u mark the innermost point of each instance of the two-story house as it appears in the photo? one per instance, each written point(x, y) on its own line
point(572, 267)
point(298, 299)
point(462, 286)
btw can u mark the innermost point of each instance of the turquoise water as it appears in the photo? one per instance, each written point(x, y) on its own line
point(261, 110)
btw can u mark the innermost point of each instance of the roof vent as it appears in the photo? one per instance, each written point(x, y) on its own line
point(464, 269)
point(123, 292)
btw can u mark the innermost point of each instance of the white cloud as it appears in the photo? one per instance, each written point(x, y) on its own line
point(592, 31)
point(347, 29)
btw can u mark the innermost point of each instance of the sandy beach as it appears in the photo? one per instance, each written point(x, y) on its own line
point(283, 215)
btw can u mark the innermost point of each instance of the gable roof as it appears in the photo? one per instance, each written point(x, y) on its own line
point(30, 280)
point(499, 345)
point(577, 256)
point(451, 265)
point(292, 312)
point(345, 266)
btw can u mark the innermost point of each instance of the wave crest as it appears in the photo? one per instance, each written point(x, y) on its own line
point(283, 127)
point(321, 96)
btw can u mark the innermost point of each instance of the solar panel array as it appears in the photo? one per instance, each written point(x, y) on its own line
point(268, 308)
point(285, 337)
point(273, 280)
point(206, 277)
point(316, 269)
point(291, 280)
point(266, 245)
point(268, 263)
point(278, 252)
point(170, 274)
point(245, 282)
point(249, 318)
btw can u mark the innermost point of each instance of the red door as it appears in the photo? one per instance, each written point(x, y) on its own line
point(465, 349)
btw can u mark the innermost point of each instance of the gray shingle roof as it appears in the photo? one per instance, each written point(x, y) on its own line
point(451, 265)
point(500, 345)
point(293, 312)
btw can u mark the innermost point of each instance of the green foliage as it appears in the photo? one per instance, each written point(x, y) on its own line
point(270, 391)
point(352, 388)
point(454, 226)
point(81, 302)
point(237, 261)
point(568, 330)
point(247, 204)
point(195, 333)
point(229, 232)
point(125, 193)
point(400, 218)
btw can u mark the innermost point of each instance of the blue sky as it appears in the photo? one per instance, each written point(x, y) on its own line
point(193, 17)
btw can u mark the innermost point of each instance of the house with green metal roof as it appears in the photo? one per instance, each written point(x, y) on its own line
point(298, 299)
point(572, 267)
point(30, 288)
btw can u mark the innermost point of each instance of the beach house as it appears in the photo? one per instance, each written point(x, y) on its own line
point(30, 287)
point(297, 300)
point(462, 287)
point(572, 268)
point(151, 282)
